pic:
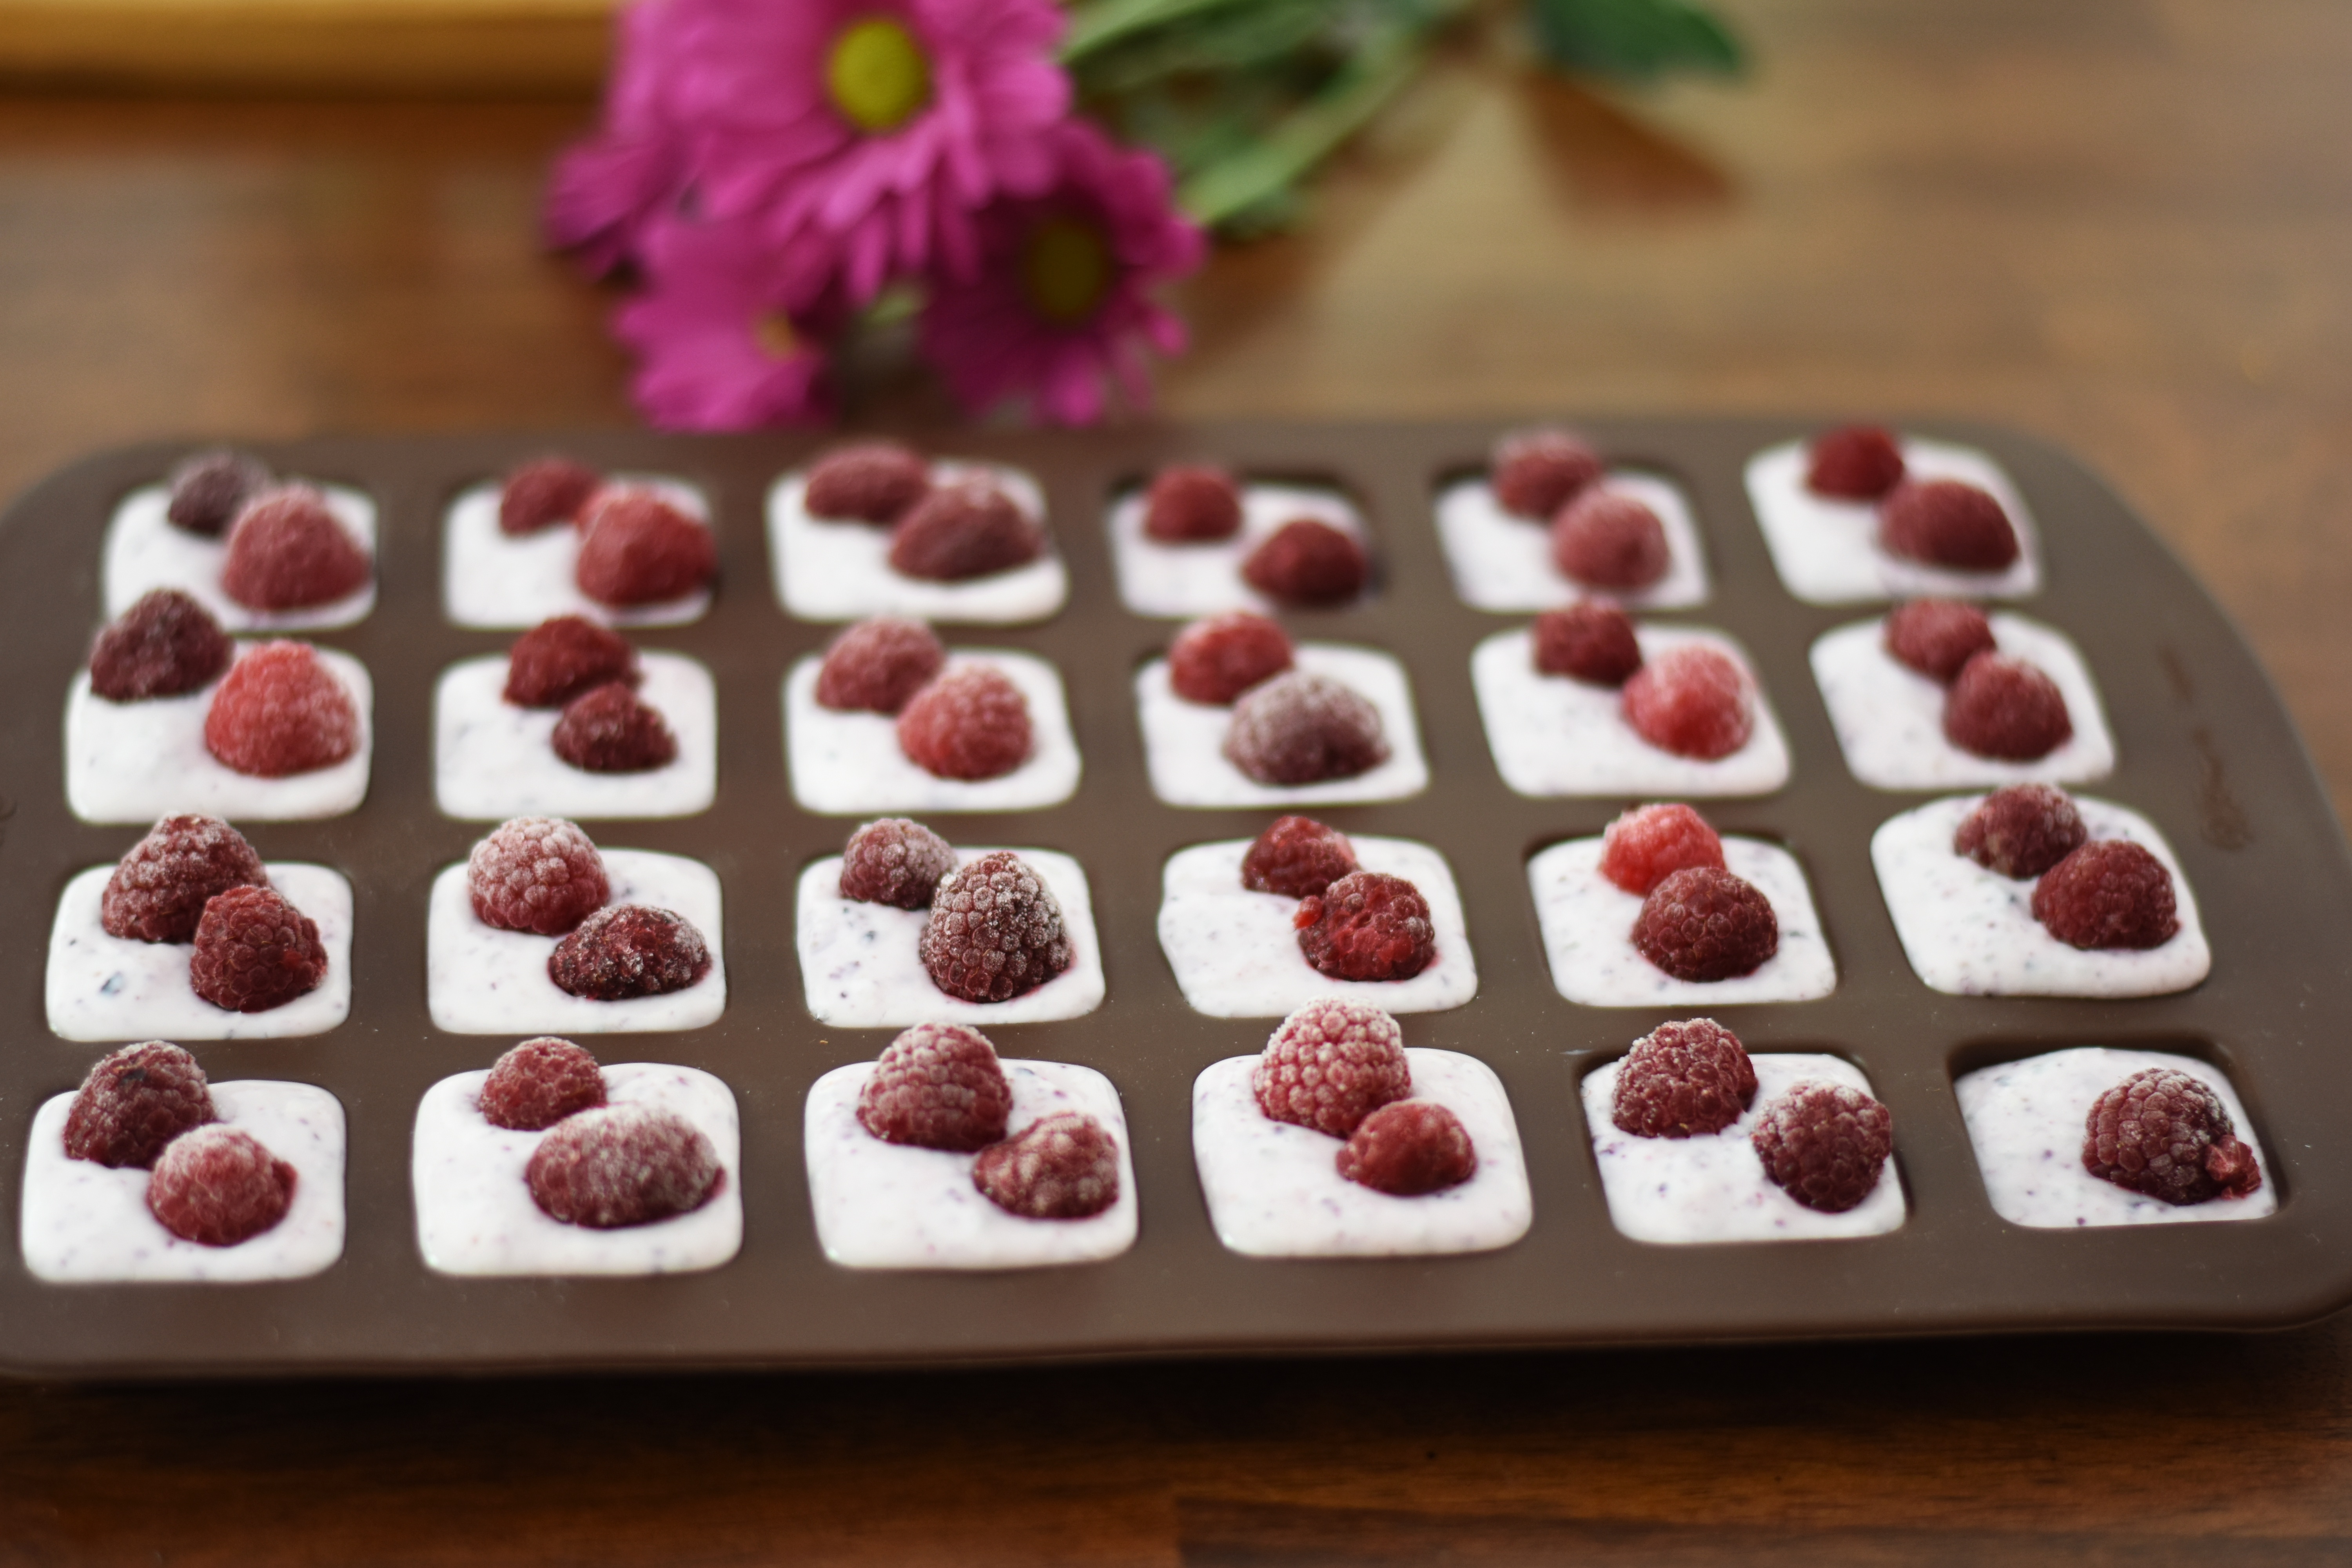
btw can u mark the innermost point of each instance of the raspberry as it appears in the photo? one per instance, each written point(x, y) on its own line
point(1704, 924)
point(1064, 1165)
point(2021, 831)
point(1589, 641)
point(2166, 1135)
point(937, 1086)
point(1217, 660)
point(1407, 1147)
point(1367, 925)
point(1607, 540)
point(557, 659)
point(1946, 524)
point(210, 488)
point(281, 711)
point(1693, 702)
point(895, 862)
point(629, 950)
point(640, 549)
point(1684, 1080)
point(537, 874)
point(1824, 1145)
point(254, 952)
point(879, 665)
point(286, 550)
point(162, 645)
point(1537, 472)
point(1309, 562)
point(618, 1165)
point(970, 723)
point(1853, 462)
point(539, 1083)
point(968, 529)
point(1295, 856)
point(159, 892)
point(995, 931)
point(1298, 729)
point(2110, 893)
point(543, 492)
point(218, 1186)
point(610, 731)
point(2005, 707)
point(866, 481)
point(1649, 843)
point(1937, 636)
point(1332, 1064)
point(133, 1102)
point(1191, 503)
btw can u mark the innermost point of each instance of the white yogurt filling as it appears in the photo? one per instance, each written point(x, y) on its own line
point(2026, 1121)
point(862, 964)
point(829, 571)
point(1204, 578)
point(492, 760)
point(144, 552)
point(480, 980)
point(1273, 1188)
point(892, 1206)
point(500, 582)
point(1970, 932)
point(83, 1224)
point(1502, 561)
point(850, 765)
point(475, 1213)
point(1184, 743)
point(1827, 552)
point(1553, 735)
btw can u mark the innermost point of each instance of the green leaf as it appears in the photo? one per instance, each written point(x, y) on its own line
point(1636, 38)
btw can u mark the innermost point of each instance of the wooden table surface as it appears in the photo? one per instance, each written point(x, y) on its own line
point(2121, 225)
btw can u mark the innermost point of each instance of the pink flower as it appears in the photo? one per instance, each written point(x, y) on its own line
point(604, 191)
point(717, 350)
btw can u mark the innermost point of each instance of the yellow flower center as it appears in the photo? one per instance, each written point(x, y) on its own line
point(774, 332)
point(1066, 270)
point(878, 76)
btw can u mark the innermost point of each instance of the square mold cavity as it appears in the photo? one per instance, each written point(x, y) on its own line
point(1236, 955)
point(1588, 925)
point(891, 1205)
point(1184, 743)
point(1273, 1188)
point(479, 980)
point(1679, 1191)
point(2026, 1121)
point(86, 1224)
point(474, 1215)
point(1504, 563)
point(850, 765)
point(137, 761)
point(492, 760)
point(1827, 552)
point(1970, 932)
point(841, 571)
point(101, 987)
point(862, 967)
point(1552, 735)
point(144, 552)
point(1206, 578)
point(1890, 718)
point(496, 581)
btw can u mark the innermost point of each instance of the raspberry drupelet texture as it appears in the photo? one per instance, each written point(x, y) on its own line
point(1853, 462)
point(210, 488)
point(1298, 729)
point(629, 950)
point(159, 890)
point(1309, 562)
point(937, 1086)
point(1824, 1145)
point(254, 952)
point(1946, 524)
point(539, 1083)
point(894, 861)
point(1191, 503)
point(1649, 843)
point(218, 1186)
point(1408, 1148)
point(638, 549)
point(543, 492)
point(970, 723)
point(1064, 1165)
point(2111, 893)
point(618, 1165)
point(1937, 637)
point(611, 730)
point(1537, 472)
point(965, 530)
point(1215, 659)
point(1588, 641)
point(1684, 1080)
point(539, 874)
point(1296, 856)
point(2021, 831)
point(1606, 541)
point(2005, 707)
point(1367, 925)
point(165, 644)
point(879, 665)
point(2166, 1135)
point(868, 481)
point(1693, 702)
point(995, 931)
point(1704, 924)
point(285, 551)
point(134, 1102)
point(281, 711)
point(557, 659)
point(1332, 1064)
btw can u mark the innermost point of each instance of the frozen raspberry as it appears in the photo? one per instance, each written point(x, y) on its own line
point(2004, 708)
point(281, 711)
point(557, 659)
point(254, 952)
point(1537, 472)
point(1367, 925)
point(1189, 503)
point(543, 492)
point(1216, 659)
point(640, 549)
point(539, 1083)
point(1309, 562)
point(617, 1165)
point(866, 481)
point(995, 931)
point(1853, 462)
point(1588, 641)
point(1946, 524)
point(218, 1186)
point(1330, 1065)
point(1064, 1165)
point(895, 862)
point(877, 664)
point(1299, 729)
point(1606, 541)
point(159, 892)
point(970, 723)
point(610, 730)
point(133, 1102)
point(2021, 831)
point(1937, 636)
point(286, 550)
point(1704, 924)
point(1824, 1145)
point(210, 488)
point(165, 644)
point(629, 950)
point(968, 529)
point(1649, 843)
point(1407, 1147)
point(937, 1086)
point(1295, 856)
point(2166, 1135)
point(1693, 702)
point(2109, 893)
point(1684, 1080)
point(537, 874)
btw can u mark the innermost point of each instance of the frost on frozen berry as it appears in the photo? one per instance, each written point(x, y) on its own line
point(1064, 1165)
point(287, 551)
point(210, 488)
point(995, 931)
point(1853, 462)
point(611, 730)
point(539, 1083)
point(1824, 1144)
point(1607, 541)
point(1588, 641)
point(1214, 660)
point(1649, 843)
point(543, 492)
point(1946, 524)
point(1684, 1080)
point(1309, 562)
point(2006, 708)
point(1332, 1064)
point(1298, 729)
point(254, 952)
point(1189, 503)
point(2021, 831)
point(965, 530)
point(1937, 637)
point(1408, 1148)
point(937, 1086)
point(1701, 923)
point(877, 664)
point(894, 861)
point(159, 890)
point(1367, 925)
point(281, 711)
point(134, 1102)
point(640, 549)
point(2111, 893)
point(1693, 702)
point(866, 481)
point(970, 723)
point(629, 950)
point(1537, 472)
point(557, 659)
point(2166, 1135)
point(165, 644)
point(1295, 856)
point(616, 1165)
point(218, 1186)
point(538, 874)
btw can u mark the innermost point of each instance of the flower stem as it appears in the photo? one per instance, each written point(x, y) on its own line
point(1106, 22)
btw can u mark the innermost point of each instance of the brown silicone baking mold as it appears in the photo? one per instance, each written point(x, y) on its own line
point(2205, 748)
